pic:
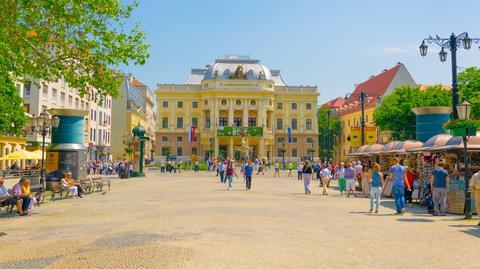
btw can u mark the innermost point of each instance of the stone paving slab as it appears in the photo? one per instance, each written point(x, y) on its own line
point(191, 221)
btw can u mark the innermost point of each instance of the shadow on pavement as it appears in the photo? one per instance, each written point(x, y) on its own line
point(415, 220)
point(473, 230)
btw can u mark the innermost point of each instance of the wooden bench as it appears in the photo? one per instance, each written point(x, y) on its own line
point(39, 193)
point(7, 204)
point(99, 182)
point(57, 188)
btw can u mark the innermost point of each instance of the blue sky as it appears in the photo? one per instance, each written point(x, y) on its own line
point(331, 44)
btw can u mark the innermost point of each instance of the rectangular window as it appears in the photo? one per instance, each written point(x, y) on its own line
point(62, 98)
point(70, 101)
point(95, 115)
point(207, 123)
point(77, 103)
point(195, 122)
point(237, 121)
point(54, 94)
point(82, 105)
point(26, 107)
point(280, 139)
point(179, 151)
point(180, 104)
point(179, 139)
point(91, 134)
point(222, 121)
point(294, 124)
point(165, 150)
point(164, 122)
point(309, 106)
point(165, 104)
point(252, 122)
point(279, 105)
point(164, 139)
point(45, 90)
point(309, 140)
point(294, 140)
point(194, 151)
point(27, 89)
point(280, 124)
point(94, 135)
point(294, 153)
point(308, 124)
point(194, 104)
point(100, 117)
point(280, 152)
point(294, 106)
point(179, 122)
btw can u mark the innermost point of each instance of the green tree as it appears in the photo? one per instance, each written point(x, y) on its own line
point(395, 111)
point(469, 85)
point(83, 42)
point(335, 131)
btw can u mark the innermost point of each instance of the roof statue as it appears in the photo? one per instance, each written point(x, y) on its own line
point(261, 75)
point(216, 75)
point(239, 73)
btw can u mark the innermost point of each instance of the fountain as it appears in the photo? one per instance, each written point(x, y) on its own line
point(244, 149)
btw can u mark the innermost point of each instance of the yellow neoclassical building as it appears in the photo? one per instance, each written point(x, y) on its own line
point(228, 95)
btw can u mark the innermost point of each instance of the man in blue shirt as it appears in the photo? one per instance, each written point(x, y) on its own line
point(399, 176)
point(248, 174)
point(439, 183)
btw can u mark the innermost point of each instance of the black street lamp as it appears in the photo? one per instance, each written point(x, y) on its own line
point(283, 153)
point(452, 43)
point(43, 125)
point(211, 140)
point(464, 110)
point(363, 96)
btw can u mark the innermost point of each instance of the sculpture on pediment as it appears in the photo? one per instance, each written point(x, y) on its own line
point(261, 75)
point(239, 73)
point(216, 75)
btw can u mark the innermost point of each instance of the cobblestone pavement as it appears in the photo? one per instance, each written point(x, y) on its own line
point(191, 221)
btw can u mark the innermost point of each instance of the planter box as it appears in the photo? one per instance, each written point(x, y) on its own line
point(468, 131)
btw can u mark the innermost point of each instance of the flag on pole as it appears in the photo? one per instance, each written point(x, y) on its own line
point(289, 130)
point(191, 134)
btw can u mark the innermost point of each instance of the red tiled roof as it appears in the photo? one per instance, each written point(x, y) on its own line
point(376, 85)
point(335, 103)
point(137, 83)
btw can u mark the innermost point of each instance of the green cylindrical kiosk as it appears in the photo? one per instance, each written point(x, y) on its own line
point(67, 151)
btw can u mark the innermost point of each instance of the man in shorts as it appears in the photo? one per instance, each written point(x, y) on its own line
point(350, 178)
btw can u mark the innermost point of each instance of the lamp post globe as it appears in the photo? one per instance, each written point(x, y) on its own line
point(464, 110)
point(423, 49)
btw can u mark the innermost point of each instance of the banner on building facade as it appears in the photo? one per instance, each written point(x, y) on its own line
point(237, 131)
point(289, 131)
point(191, 134)
point(356, 136)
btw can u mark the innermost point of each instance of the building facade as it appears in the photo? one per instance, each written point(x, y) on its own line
point(39, 96)
point(350, 113)
point(133, 106)
point(234, 93)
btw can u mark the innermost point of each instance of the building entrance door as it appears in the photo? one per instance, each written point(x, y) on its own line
point(222, 151)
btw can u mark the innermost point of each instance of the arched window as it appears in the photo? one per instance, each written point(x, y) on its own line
point(238, 102)
point(253, 103)
point(224, 102)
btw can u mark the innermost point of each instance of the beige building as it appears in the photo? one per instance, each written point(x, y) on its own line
point(39, 96)
point(233, 93)
point(133, 106)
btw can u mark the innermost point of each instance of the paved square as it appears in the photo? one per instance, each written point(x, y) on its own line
point(190, 221)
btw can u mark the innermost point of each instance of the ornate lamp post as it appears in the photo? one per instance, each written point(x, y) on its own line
point(464, 110)
point(452, 43)
point(43, 125)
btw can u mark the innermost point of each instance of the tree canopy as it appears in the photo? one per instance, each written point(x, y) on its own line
point(83, 42)
point(395, 111)
point(335, 130)
point(469, 85)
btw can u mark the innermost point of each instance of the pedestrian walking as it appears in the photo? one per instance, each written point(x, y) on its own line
point(221, 171)
point(290, 168)
point(410, 178)
point(307, 171)
point(260, 167)
point(342, 184)
point(299, 170)
point(358, 174)
point(376, 186)
point(248, 175)
point(229, 174)
point(399, 176)
point(439, 182)
point(350, 180)
point(276, 166)
point(475, 187)
point(325, 175)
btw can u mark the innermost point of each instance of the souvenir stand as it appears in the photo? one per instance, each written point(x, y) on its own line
point(427, 156)
point(409, 160)
point(386, 158)
point(453, 151)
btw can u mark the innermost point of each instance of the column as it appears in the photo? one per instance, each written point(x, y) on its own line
point(173, 120)
point(188, 119)
point(230, 148)
point(215, 154)
point(230, 113)
point(259, 113)
point(264, 114)
point(261, 150)
point(217, 113)
point(301, 121)
point(245, 113)
point(286, 119)
point(212, 125)
point(2, 153)
point(272, 118)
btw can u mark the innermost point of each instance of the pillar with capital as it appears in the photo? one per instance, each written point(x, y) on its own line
point(230, 113)
point(245, 114)
point(261, 150)
point(216, 148)
point(230, 148)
